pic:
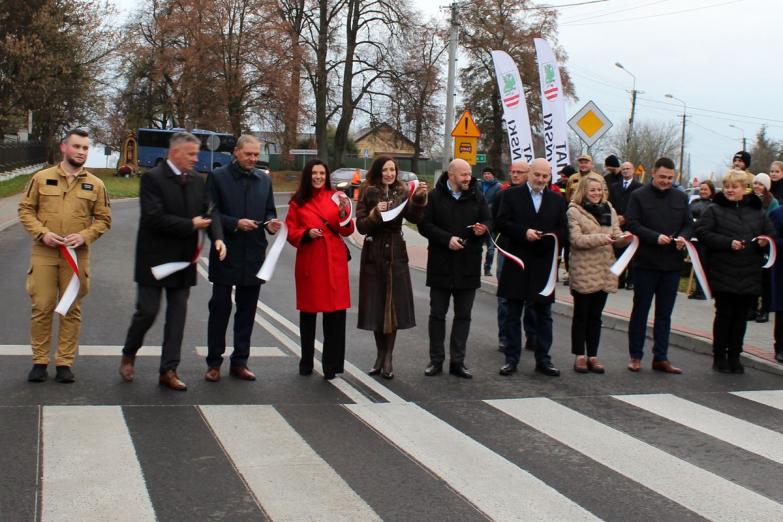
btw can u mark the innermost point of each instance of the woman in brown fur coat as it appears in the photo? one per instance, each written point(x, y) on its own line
point(385, 293)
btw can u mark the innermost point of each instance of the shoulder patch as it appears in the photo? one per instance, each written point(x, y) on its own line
point(51, 182)
point(87, 186)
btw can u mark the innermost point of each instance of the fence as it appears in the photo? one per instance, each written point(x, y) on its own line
point(17, 155)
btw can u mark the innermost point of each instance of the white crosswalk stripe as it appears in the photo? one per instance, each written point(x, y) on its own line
point(771, 398)
point(90, 469)
point(289, 479)
point(756, 439)
point(690, 486)
point(480, 475)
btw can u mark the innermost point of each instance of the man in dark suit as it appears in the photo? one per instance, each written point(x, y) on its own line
point(619, 194)
point(174, 209)
point(243, 198)
point(527, 213)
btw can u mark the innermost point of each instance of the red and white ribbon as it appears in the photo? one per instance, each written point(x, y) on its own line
point(773, 251)
point(72, 290)
point(270, 261)
point(624, 260)
point(507, 255)
point(389, 215)
point(166, 269)
point(698, 269)
point(338, 198)
point(552, 281)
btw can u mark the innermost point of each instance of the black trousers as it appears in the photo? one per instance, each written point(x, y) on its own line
point(219, 314)
point(460, 328)
point(333, 358)
point(778, 332)
point(147, 307)
point(586, 322)
point(766, 291)
point(728, 329)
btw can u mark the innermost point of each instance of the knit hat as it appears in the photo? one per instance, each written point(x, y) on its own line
point(764, 179)
point(744, 156)
point(611, 161)
point(568, 170)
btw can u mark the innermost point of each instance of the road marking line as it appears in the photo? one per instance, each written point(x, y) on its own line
point(290, 480)
point(255, 351)
point(84, 350)
point(344, 387)
point(90, 469)
point(748, 436)
point(705, 493)
point(350, 368)
point(496, 486)
point(771, 398)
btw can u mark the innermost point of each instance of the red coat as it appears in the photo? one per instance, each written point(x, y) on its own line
point(321, 264)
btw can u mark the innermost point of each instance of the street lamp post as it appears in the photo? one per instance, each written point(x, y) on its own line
point(682, 136)
point(633, 102)
point(744, 141)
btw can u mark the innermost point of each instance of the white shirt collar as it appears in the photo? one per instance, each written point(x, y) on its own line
point(173, 168)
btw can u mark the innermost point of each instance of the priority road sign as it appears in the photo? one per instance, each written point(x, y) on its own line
point(590, 123)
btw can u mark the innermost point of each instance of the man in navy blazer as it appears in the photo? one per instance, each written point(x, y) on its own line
point(243, 197)
point(526, 213)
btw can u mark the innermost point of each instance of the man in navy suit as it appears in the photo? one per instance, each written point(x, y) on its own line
point(619, 195)
point(527, 213)
point(243, 197)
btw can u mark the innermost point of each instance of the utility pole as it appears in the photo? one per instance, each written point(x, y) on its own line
point(634, 92)
point(682, 136)
point(453, 35)
point(744, 140)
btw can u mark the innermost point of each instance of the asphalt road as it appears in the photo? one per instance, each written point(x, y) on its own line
point(618, 446)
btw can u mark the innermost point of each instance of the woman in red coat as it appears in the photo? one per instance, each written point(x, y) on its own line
point(321, 272)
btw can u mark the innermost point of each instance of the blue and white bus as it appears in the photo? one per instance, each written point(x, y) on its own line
point(154, 147)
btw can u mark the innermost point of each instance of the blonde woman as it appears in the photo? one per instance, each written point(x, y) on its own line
point(594, 231)
point(727, 229)
point(776, 177)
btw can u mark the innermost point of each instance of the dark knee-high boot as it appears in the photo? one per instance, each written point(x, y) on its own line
point(381, 354)
point(388, 343)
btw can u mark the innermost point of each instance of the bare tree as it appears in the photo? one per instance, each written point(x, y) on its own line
point(650, 141)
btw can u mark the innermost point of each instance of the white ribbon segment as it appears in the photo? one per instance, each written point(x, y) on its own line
point(166, 269)
point(507, 255)
point(72, 290)
point(338, 198)
point(550, 284)
point(698, 269)
point(773, 251)
point(624, 260)
point(389, 215)
point(268, 267)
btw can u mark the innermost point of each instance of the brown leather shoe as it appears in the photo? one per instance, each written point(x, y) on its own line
point(127, 371)
point(665, 366)
point(212, 375)
point(170, 380)
point(242, 372)
point(635, 365)
point(595, 366)
point(580, 364)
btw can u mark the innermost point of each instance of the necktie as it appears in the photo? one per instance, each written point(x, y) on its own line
point(625, 184)
point(182, 179)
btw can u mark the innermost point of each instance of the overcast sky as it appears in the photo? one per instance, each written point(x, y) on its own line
point(722, 57)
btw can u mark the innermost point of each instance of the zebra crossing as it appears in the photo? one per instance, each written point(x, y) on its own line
point(292, 462)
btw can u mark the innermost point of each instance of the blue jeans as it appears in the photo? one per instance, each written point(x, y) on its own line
point(490, 253)
point(648, 284)
point(541, 318)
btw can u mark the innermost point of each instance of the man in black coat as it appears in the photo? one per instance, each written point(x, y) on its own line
point(619, 194)
point(455, 219)
point(174, 209)
point(243, 197)
point(527, 213)
point(660, 217)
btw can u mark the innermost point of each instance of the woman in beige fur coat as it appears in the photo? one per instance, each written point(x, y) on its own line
point(594, 231)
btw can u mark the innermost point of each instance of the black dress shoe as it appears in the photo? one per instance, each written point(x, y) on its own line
point(387, 375)
point(736, 366)
point(762, 317)
point(37, 373)
point(460, 371)
point(373, 371)
point(507, 369)
point(64, 375)
point(629, 286)
point(548, 369)
point(433, 369)
point(329, 375)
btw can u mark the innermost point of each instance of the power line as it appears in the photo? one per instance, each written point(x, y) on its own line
point(598, 15)
point(573, 24)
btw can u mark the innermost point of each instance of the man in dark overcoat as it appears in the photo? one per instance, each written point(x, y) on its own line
point(243, 198)
point(526, 213)
point(174, 210)
point(455, 220)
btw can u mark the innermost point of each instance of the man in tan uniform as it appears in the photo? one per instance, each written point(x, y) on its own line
point(585, 167)
point(63, 206)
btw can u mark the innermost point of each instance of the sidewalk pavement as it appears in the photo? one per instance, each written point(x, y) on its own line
point(8, 210)
point(691, 320)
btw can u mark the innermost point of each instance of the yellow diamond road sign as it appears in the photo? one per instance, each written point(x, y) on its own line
point(590, 123)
